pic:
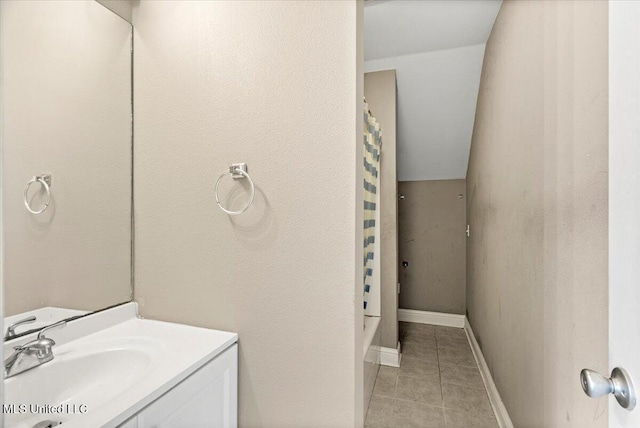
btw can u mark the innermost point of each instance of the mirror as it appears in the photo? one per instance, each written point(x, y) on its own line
point(67, 122)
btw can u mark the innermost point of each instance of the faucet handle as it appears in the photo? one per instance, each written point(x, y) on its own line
point(42, 347)
point(60, 324)
point(11, 330)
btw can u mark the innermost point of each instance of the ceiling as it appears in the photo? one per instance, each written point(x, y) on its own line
point(436, 48)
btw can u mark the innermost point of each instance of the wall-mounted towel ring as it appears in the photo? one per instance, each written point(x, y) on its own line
point(238, 171)
point(45, 181)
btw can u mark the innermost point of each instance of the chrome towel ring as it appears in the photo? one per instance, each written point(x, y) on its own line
point(45, 181)
point(237, 171)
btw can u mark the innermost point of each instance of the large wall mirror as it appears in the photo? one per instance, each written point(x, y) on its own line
point(66, 161)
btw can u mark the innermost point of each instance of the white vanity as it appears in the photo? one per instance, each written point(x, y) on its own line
point(113, 369)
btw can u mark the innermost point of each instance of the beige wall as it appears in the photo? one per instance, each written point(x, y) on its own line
point(270, 84)
point(380, 92)
point(537, 206)
point(66, 110)
point(432, 239)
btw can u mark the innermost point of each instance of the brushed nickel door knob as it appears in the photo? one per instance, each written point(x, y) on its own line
point(619, 384)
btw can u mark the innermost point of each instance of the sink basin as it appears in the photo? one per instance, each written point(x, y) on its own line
point(77, 381)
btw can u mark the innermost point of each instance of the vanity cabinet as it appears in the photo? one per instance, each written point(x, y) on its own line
point(208, 398)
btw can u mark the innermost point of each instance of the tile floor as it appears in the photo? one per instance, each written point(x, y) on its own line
point(438, 383)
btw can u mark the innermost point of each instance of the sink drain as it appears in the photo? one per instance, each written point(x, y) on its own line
point(47, 424)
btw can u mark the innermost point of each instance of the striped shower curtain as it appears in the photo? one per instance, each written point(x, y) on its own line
point(372, 145)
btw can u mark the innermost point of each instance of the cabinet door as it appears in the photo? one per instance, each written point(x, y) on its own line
point(206, 399)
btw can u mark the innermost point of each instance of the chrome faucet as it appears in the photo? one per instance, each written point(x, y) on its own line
point(31, 354)
point(11, 331)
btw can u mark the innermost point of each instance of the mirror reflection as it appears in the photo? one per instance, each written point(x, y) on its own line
point(67, 165)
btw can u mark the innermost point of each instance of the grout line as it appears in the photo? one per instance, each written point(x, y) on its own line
point(440, 375)
point(421, 359)
point(459, 365)
point(418, 402)
point(454, 349)
point(479, 388)
point(420, 377)
point(395, 388)
point(461, 344)
point(383, 396)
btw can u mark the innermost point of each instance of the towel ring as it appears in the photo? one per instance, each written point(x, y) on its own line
point(237, 170)
point(45, 181)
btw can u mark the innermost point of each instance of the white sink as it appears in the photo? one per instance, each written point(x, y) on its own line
point(103, 377)
point(78, 380)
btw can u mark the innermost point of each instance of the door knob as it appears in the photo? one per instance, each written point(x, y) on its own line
point(620, 385)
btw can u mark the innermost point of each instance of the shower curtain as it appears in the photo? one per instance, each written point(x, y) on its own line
point(372, 145)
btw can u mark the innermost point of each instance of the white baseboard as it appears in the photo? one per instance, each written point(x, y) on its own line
point(434, 318)
point(500, 411)
point(390, 357)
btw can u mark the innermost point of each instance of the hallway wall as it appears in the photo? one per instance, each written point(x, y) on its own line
point(432, 220)
point(537, 269)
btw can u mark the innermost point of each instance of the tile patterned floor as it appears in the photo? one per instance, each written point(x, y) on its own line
point(438, 384)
